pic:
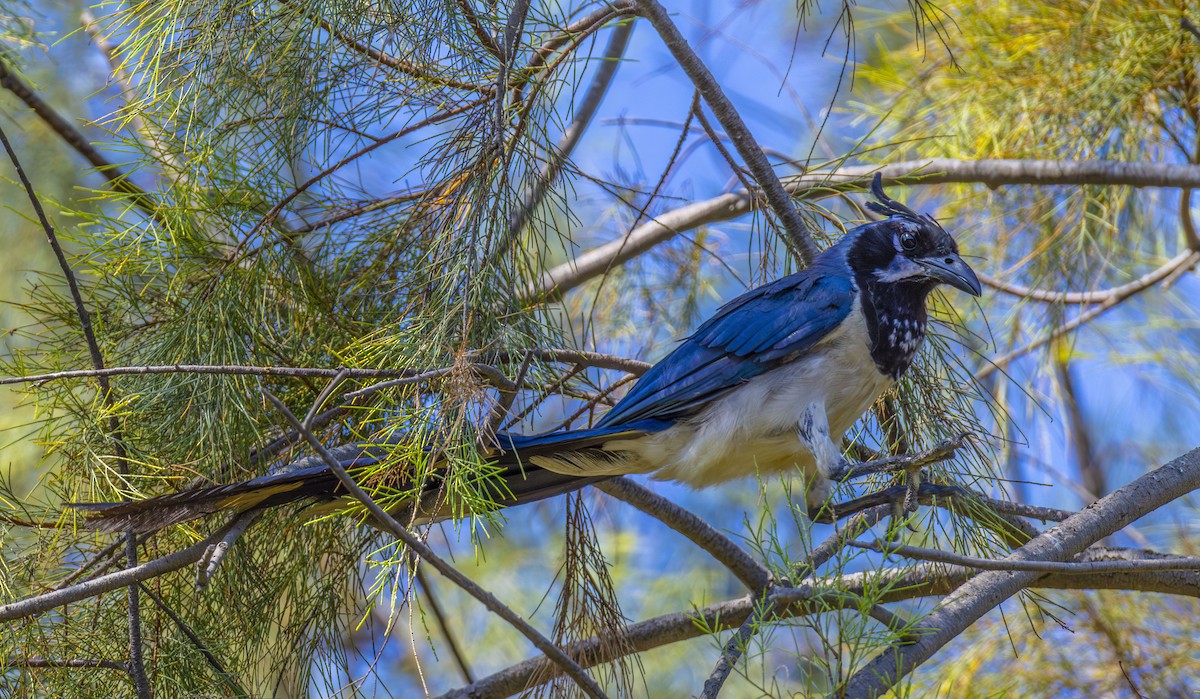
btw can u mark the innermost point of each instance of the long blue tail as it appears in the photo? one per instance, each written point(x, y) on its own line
point(310, 479)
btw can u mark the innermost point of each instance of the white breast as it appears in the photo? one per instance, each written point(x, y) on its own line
point(755, 427)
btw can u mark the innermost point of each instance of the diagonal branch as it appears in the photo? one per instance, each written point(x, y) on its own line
point(1116, 293)
point(39, 604)
point(740, 563)
point(137, 667)
point(1181, 262)
point(781, 204)
point(1061, 542)
point(564, 662)
point(116, 178)
point(922, 580)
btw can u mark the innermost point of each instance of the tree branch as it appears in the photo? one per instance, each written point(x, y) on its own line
point(914, 582)
point(38, 604)
point(137, 668)
point(1068, 567)
point(1181, 262)
point(992, 173)
point(65, 662)
point(752, 573)
point(116, 178)
point(777, 197)
point(1101, 296)
point(564, 662)
point(983, 593)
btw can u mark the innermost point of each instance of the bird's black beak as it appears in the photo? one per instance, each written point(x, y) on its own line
point(950, 269)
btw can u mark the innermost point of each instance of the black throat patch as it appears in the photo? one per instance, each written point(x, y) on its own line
point(896, 320)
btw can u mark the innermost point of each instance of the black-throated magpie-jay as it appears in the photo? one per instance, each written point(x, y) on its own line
point(769, 383)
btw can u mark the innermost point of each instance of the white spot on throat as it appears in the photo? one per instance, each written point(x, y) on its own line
point(899, 269)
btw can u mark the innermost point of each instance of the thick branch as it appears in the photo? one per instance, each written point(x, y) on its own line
point(983, 593)
point(993, 173)
point(910, 583)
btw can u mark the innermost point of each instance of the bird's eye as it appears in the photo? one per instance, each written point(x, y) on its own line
point(908, 241)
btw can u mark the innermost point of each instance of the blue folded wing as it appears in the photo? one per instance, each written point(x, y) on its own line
point(758, 331)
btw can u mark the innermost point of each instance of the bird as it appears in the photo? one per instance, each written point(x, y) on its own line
point(768, 384)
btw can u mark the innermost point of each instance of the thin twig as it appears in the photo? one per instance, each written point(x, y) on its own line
point(274, 211)
point(1066, 567)
point(1089, 297)
point(196, 642)
point(38, 604)
point(485, 39)
point(1183, 261)
point(732, 652)
point(408, 68)
point(208, 564)
point(460, 659)
point(826, 550)
point(65, 662)
point(115, 177)
point(227, 370)
point(941, 451)
point(592, 99)
point(137, 667)
point(105, 553)
point(389, 523)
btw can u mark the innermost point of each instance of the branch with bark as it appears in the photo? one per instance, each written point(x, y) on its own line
point(992, 173)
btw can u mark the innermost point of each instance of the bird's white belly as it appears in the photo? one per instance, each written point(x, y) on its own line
point(755, 428)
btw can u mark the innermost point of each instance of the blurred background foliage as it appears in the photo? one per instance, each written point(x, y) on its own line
point(306, 201)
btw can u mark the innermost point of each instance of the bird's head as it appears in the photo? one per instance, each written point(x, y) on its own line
point(909, 249)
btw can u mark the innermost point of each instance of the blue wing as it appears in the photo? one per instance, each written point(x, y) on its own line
point(758, 331)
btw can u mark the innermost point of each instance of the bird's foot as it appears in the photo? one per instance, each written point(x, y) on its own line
point(942, 451)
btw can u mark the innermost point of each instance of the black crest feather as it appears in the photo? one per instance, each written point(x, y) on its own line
point(886, 206)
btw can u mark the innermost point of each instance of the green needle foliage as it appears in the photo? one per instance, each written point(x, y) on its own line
point(353, 183)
